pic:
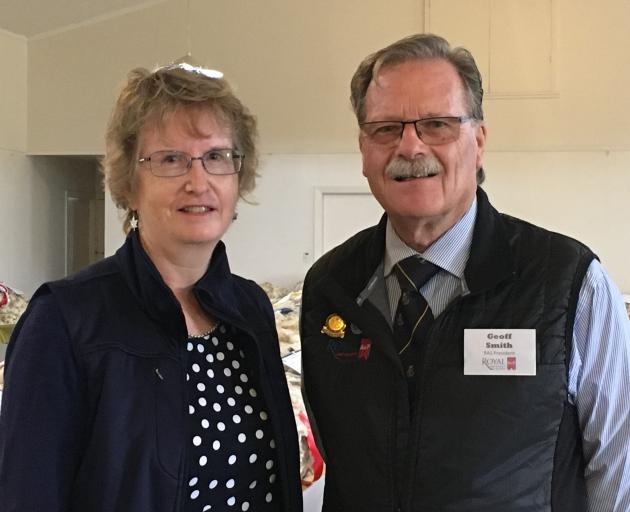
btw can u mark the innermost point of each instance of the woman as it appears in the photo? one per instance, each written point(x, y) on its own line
point(151, 381)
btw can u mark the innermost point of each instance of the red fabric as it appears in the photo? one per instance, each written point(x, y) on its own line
point(318, 462)
point(4, 295)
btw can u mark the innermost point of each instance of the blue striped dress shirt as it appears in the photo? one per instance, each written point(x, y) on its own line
point(599, 369)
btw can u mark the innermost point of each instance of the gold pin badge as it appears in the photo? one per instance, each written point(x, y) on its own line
point(335, 327)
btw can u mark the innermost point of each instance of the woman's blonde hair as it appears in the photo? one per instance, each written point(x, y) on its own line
point(154, 95)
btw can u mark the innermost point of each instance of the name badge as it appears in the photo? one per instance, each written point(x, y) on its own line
point(500, 352)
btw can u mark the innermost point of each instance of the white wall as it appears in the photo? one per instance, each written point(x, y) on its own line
point(13, 55)
point(583, 195)
point(32, 209)
point(561, 159)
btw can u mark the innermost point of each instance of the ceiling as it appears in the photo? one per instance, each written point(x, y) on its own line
point(32, 17)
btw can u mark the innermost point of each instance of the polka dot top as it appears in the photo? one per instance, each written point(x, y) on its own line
point(232, 456)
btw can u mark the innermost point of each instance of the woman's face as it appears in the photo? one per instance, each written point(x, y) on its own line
point(193, 210)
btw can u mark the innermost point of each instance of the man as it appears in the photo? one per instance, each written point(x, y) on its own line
point(508, 388)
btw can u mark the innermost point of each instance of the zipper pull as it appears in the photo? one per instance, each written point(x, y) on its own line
point(157, 372)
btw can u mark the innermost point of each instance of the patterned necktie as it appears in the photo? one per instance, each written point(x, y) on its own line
point(413, 314)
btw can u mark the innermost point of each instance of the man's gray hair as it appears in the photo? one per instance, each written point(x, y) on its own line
point(420, 46)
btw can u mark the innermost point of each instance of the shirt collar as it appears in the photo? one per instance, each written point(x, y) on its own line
point(449, 252)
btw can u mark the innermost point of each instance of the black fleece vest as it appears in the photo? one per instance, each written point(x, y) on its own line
point(475, 443)
point(499, 444)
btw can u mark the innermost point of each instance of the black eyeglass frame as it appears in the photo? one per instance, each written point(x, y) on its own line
point(228, 153)
point(459, 119)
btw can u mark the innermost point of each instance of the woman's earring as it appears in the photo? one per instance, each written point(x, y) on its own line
point(134, 221)
point(235, 216)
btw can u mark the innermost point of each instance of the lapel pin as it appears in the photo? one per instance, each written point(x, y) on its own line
point(335, 326)
point(364, 349)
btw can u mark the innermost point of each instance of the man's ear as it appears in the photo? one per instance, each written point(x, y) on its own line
point(361, 144)
point(480, 138)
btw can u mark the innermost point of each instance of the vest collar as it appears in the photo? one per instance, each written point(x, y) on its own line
point(491, 259)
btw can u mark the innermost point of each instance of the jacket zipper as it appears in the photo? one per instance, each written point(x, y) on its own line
point(179, 504)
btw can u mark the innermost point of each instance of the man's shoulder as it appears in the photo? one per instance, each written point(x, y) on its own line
point(529, 233)
point(345, 257)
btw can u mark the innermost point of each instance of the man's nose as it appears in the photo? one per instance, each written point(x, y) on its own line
point(411, 145)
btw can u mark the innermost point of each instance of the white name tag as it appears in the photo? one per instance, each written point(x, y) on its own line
point(499, 351)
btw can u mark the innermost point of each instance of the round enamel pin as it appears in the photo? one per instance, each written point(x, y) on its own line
point(335, 326)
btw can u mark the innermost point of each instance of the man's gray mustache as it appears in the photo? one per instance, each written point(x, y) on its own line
point(401, 168)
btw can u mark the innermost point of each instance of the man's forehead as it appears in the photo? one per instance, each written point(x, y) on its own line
point(435, 82)
point(413, 69)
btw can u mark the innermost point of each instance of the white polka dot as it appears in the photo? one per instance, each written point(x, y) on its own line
point(203, 460)
point(196, 368)
point(194, 494)
point(202, 401)
point(213, 484)
point(201, 386)
point(193, 481)
point(272, 443)
point(207, 507)
point(259, 434)
point(238, 390)
point(200, 348)
point(253, 484)
point(236, 418)
point(220, 389)
point(249, 409)
point(269, 464)
point(210, 373)
point(221, 426)
point(229, 345)
point(244, 377)
point(189, 346)
point(227, 372)
point(252, 458)
point(216, 445)
point(268, 497)
point(206, 337)
point(205, 423)
point(242, 438)
point(216, 406)
point(215, 341)
point(191, 409)
point(263, 415)
point(245, 506)
point(196, 440)
point(252, 393)
point(210, 358)
point(231, 459)
point(222, 328)
point(272, 478)
point(236, 365)
point(231, 501)
point(241, 353)
point(230, 483)
point(220, 356)
point(231, 402)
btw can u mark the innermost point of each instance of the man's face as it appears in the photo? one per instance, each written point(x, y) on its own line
point(414, 90)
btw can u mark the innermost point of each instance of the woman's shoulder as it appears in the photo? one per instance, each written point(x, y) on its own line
point(98, 270)
point(80, 290)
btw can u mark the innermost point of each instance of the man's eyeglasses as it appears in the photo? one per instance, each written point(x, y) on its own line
point(169, 164)
point(433, 131)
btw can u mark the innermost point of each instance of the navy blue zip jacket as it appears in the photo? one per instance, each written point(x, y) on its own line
point(94, 408)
